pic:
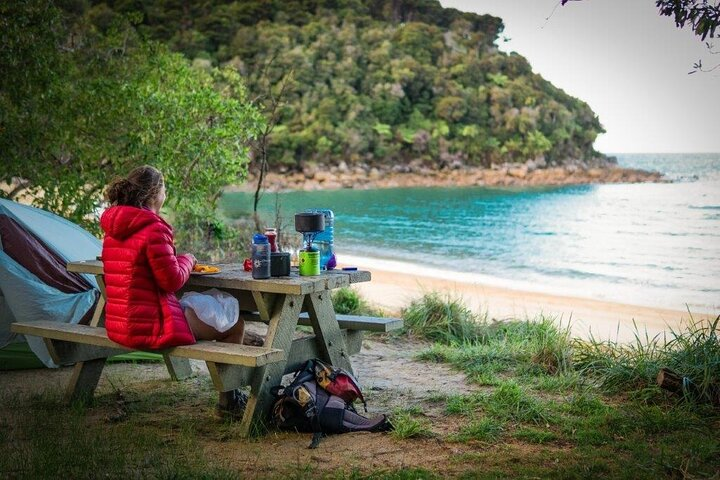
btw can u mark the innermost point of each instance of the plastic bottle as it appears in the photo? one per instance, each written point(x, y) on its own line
point(260, 256)
point(271, 233)
point(325, 240)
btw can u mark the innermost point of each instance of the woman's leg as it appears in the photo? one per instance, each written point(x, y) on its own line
point(200, 329)
point(229, 403)
point(203, 331)
point(235, 334)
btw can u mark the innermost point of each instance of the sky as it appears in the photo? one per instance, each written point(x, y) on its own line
point(626, 61)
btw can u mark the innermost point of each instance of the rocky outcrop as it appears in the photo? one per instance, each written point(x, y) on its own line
point(528, 174)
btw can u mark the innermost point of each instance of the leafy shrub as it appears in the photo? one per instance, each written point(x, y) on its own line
point(347, 301)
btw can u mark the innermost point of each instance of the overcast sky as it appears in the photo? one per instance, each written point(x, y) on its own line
point(626, 61)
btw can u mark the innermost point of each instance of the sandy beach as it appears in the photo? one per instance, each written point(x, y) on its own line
point(395, 284)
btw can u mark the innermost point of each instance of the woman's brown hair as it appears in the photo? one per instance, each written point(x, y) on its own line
point(140, 186)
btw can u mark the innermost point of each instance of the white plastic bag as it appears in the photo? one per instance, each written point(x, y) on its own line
point(214, 307)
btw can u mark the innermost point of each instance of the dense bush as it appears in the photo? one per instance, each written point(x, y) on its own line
point(381, 82)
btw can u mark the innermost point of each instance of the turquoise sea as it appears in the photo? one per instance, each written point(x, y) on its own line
point(643, 244)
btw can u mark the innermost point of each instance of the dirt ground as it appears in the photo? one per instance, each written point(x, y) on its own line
point(390, 376)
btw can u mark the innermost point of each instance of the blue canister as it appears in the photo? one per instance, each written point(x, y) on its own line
point(325, 240)
point(260, 256)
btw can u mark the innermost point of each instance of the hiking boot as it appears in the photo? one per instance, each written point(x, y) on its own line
point(231, 405)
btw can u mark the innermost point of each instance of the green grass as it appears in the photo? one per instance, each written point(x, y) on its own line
point(347, 301)
point(442, 319)
point(693, 353)
point(599, 399)
point(483, 430)
point(64, 442)
point(535, 435)
point(512, 402)
point(542, 406)
point(409, 423)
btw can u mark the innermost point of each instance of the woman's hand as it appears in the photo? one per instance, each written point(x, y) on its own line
point(192, 258)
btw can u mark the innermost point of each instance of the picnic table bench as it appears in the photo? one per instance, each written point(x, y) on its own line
point(281, 302)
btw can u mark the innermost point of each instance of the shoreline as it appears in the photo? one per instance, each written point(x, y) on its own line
point(394, 285)
point(508, 175)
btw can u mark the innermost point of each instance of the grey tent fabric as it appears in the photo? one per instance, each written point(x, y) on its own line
point(27, 250)
point(34, 284)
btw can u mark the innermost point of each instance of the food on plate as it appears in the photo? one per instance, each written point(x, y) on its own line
point(200, 268)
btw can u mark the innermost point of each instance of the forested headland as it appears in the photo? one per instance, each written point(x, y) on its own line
point(378, 82)
point(211, 91)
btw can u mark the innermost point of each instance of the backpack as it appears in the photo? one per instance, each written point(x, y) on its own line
point(320, 400)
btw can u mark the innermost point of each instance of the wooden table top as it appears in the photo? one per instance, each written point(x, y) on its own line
point(233, 276)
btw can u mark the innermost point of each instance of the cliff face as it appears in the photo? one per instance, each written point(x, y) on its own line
point(380, 82)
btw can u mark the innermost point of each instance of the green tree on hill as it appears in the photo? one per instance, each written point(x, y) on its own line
point(83, 98)
point(381, 82)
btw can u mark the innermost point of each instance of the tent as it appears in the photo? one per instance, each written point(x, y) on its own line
point(35, 246)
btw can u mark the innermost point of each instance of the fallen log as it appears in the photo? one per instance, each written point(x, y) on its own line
point(673, 382)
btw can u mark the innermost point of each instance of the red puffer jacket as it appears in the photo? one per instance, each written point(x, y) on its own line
point(142, 273)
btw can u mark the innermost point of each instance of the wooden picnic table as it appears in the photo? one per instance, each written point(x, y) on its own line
point(278, 301)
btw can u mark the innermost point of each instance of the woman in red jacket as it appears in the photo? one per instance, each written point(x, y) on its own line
point(143, 272)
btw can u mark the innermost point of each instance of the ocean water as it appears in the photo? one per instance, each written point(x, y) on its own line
point(642, 244)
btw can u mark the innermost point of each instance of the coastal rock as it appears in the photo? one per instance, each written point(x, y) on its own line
point(595, 173)
point(576, 173)
point(310, 169)
point(518, 172)
point(456, 164)
point(323, 176)
point(332, 185)
point(342, 167)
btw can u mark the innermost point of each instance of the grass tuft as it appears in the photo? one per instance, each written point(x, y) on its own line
point(347, 301)
point(694, 353)
point(484, 430)
point(406, 424)
point(442, 319)
point(510, 401)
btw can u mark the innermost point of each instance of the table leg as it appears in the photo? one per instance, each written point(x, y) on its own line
point(86, 375)
point(178, 368)
point(329, 339)
point(84, 380)
point(280, 335)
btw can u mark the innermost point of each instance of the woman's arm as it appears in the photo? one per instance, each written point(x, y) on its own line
point(171, 271)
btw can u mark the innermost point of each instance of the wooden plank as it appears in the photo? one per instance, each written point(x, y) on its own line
point(370, 324)
point(220, 352)
point(355, 276)
point(93, 267)
point(229, 377)
point(178, 368)
point(303, 349)
point(330, 343)
point(84, 380)
point(233, 277)
point(265, 304)
point(68, 353)
point(347, 322)
point(98, 318)
point(280, 336)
